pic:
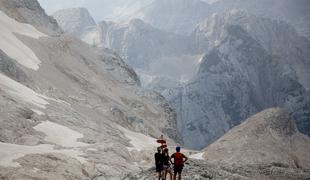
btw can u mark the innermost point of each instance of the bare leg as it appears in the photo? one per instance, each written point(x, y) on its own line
point(174, 176)
point(165, 174)
point(170, 173)
point(159, 175)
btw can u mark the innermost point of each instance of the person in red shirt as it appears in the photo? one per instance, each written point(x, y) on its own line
point(178, 161)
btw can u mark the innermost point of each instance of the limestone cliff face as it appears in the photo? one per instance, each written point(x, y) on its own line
point(236, 79)
point(276, 37)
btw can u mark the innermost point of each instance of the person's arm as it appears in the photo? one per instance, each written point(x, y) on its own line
point(170, 160)
point(156, 159)
point(184, 158)
point(172, 157)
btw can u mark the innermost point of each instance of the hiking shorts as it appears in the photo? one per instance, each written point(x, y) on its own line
point(159, 167)
point(167, 168)
point(178, 169)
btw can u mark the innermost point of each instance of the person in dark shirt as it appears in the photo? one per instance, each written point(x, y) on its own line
point(167, 163)
point(178, 160)
point(159, 162)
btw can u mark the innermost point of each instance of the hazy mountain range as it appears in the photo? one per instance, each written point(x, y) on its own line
point(77, 99)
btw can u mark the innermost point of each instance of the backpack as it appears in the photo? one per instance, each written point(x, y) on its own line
point(178, 159)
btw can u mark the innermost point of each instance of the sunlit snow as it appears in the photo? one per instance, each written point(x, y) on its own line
point(14, 47)
point(21, 92)
point(11, 152)
point(139, 141)
point(60, 135)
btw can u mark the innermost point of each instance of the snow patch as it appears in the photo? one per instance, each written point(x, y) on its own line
point(15, 48)
point(197, 156)
point(60, 135)
point(139, 141)
point(11, 152)
point(20, 91)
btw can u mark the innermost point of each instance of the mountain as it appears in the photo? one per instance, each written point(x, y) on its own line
point(69, 110)
point(269, 137)
point(277, 37)
point(149, 50)
point(293, 12)
point(80, 20)
point(236, 79)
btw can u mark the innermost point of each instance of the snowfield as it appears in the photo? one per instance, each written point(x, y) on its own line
point(139, 141)
point(15, 48)
point(60, 135)
point(21, 92)
point(197, 156)
point(11, 152)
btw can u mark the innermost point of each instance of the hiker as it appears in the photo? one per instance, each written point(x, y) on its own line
point(159, 162)
point(178, 160)
point(167, 162)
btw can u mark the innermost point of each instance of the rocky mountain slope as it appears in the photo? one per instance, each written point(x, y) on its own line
point(31, 12)
point(236, 79)
point(265, 146)
point(68, 110)
point(269, 137)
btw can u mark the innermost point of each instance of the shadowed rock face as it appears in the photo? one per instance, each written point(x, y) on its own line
point(269, 137)
point(236, 79)
point(9, 68)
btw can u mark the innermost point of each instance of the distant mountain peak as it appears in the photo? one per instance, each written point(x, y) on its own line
point(74, 20)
